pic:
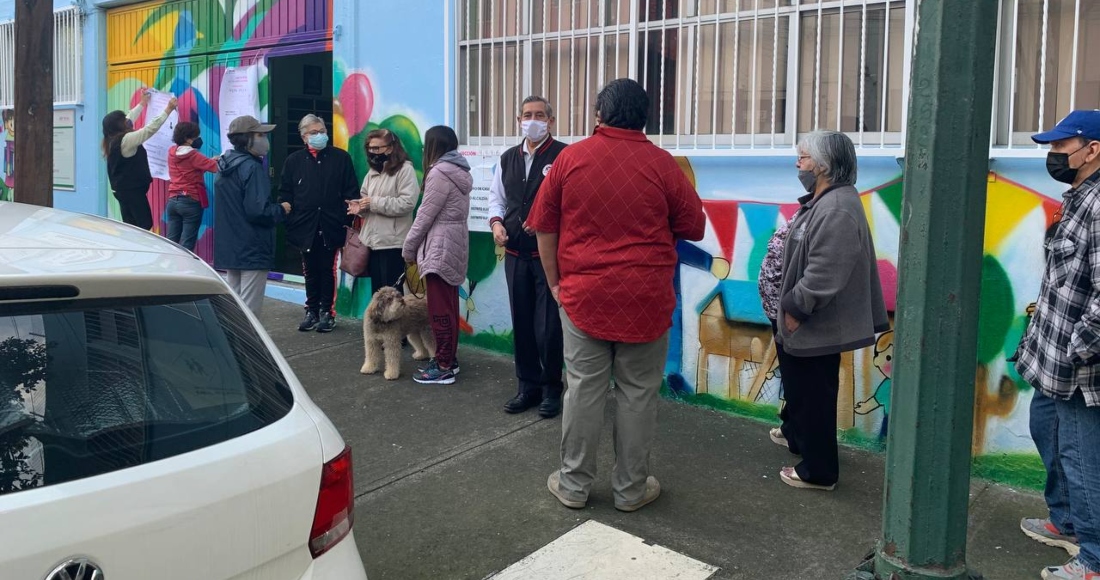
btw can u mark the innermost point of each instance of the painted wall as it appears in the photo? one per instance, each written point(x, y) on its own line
point(184, 47)
point(388, 62)
point(90, 171)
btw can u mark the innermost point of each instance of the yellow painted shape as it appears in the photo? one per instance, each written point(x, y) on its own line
point(867, 201)
point(1006, 206)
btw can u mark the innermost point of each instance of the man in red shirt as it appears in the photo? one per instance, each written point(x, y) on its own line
point(607, 219)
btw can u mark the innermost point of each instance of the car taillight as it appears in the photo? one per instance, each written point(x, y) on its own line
point(335, 505)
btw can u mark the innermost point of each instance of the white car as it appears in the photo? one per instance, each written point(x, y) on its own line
point(149, 427)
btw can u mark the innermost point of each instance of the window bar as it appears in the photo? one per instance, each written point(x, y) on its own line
point(545, 89)
point(1043, 64)
point(1012, 88)
point(517, 80)
point(557, 92)
point(469, 49)
point(1073, 63)
point(645, 43)
point(661, 81)
point(775, 70)
point(492, 71)
point(885, 76)
point(1073, 59)
point(860, 120)
point(998, 63)
point(717, 91)
point(679, 123)
point(698, 74)
point(572, 65)
point(618, 37)
point(480, 74)
point(601, 51)
point(840, 72)
point(753, 97)
point(736, 73)
point(588, 65)
point(817, 71)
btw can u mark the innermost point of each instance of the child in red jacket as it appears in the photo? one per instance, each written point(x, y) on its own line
point(186, 189)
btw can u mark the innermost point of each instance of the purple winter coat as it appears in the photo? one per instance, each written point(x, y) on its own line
point(439, 241)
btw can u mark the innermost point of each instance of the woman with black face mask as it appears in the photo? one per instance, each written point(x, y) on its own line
point(388, 197)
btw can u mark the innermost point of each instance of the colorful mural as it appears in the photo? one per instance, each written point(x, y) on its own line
point(185, 46)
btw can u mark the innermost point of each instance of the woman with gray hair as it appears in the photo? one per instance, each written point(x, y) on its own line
point(318, 181)
point(830, 302)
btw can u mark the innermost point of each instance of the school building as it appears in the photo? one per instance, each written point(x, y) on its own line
point(732, 83)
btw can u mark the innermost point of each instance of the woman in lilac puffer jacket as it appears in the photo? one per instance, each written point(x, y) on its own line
point(439, 244)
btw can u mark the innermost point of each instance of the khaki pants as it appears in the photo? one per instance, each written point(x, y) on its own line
point(638, 372)
point(249, 285)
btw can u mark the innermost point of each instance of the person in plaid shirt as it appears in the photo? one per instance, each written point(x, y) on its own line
point(1059, 354)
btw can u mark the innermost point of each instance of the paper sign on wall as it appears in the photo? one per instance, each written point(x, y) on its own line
point(64, 149)
point(239, 95)
point(157, 145)
point(482, 164)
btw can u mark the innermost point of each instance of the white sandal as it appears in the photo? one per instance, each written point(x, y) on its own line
point(790, 477)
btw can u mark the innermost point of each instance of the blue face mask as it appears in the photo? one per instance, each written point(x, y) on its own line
point(318, 141)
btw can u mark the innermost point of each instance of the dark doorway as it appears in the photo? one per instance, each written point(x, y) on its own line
point(300, 85)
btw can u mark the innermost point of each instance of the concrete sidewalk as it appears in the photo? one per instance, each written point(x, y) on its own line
point(449, 486)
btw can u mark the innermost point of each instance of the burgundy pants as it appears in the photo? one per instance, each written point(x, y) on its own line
point(443, 310)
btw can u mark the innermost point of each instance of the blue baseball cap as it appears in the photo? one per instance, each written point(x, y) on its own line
point(1076, 124)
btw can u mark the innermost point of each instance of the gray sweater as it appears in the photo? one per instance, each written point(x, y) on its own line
point(830, 277)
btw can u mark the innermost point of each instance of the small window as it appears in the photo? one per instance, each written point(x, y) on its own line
point(94, 389)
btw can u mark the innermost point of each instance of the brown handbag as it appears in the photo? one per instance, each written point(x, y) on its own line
point(355, 256)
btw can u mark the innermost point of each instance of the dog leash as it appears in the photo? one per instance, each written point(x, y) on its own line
point(401, 280)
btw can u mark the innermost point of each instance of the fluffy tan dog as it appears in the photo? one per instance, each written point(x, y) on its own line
point(388, 319)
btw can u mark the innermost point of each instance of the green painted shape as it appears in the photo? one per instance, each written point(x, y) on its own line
point(490, 340)
point(891, 197)
point(357, 151)
point(409, 134)
point(997, 306)
point(483, 257)
point(353, 301)
point(1016, 469)
point(756, 256)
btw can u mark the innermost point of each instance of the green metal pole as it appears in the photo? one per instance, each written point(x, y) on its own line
point(943, 223)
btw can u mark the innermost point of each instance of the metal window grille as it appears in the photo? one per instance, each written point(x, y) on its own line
point(720, 74)
point(68, 54)
point(1048, 64)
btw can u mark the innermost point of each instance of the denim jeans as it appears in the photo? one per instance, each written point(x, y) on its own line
point(184, 216)
point(1044, 431)
point(1078, 445)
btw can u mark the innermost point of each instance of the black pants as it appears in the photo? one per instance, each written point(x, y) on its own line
point(536, 328)
point(811, 385)
point(384, 268)
point(134, 207)
point(319, 268)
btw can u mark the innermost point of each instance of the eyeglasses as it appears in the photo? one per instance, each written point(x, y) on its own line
point(378, 149)
point(801, 157)
point(316, 132)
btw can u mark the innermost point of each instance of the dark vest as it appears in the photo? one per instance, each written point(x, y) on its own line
point(520, 190)
point(128, 173)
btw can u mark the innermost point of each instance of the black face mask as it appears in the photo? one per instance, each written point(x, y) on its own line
point(1058, 166)
point(197, 143)
point(377, 160)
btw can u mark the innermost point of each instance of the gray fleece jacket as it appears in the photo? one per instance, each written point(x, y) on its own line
point(830, 277)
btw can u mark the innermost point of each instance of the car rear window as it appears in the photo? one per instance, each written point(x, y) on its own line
point(91, 388)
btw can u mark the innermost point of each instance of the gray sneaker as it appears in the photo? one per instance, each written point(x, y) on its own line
point(1072, 570)
point(454, 366)
point(553, 483)
point(652, 492)
point(1042, 530)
